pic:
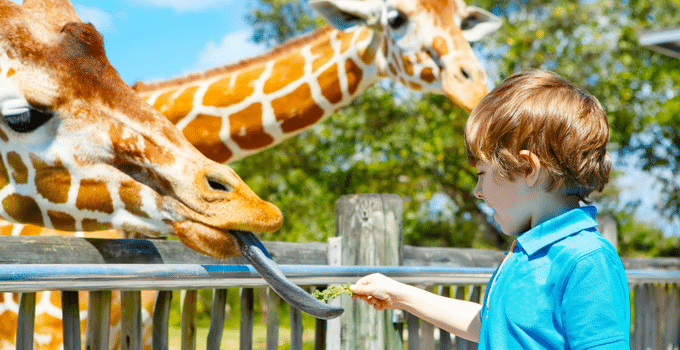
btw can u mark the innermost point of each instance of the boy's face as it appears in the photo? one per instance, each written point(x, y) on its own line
point(511, 200)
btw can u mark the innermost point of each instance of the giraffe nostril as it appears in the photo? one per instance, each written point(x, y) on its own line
point(465, 73)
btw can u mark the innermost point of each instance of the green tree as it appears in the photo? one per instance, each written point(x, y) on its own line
point(397, 141)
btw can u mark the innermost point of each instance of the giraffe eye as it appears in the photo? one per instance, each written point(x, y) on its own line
point(23, 119)
point(396, 19)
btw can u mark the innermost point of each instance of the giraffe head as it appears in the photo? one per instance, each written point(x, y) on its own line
point(424, 43)
point(81, 151)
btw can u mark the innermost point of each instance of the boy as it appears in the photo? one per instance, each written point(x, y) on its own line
point(539, 146)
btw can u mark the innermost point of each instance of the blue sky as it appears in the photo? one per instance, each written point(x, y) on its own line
point(155, 39)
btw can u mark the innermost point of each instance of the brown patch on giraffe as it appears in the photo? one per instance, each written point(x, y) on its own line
point(427, 75)
point(363, 35)
point(439, 45)
point(345, 40)
point(203, 133)
point(62, 221)
point(162, 101)
point(23, 209)
point(414, 86)
point(4, 176)
point(5, 230)
point(95, 196)
point(94, 225)
point(285, 71)
point(181, 105)
point(441, 11)
point(10, 72)
point(3, 136)
point(247, 130)
point(408, 65)
point(393, 70)
point(52, 181)
point(237, 91)
point(19, 169)
point(147, 152)
point(323, 53)
point(354, 75)
point(330, 84)
point(130, 195)
point(292, 118)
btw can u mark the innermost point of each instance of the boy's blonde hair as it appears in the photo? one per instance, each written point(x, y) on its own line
point(539, 111)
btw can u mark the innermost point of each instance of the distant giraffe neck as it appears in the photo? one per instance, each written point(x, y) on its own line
point(239, 110)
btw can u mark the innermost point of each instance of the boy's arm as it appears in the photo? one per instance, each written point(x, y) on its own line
point(458, 317)
point(596, 303)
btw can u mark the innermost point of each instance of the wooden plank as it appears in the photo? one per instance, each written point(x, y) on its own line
point(74, 250)
point(188, 322)
point(217, 319)
point(672, 336)
point(71, 319)
point(273, 303)
point(427, 330)
point(413, 326)
point(644, 314)
point(334, 326)
point(464, 344)
point(98, 320)
point(246, 327)
point(444, 336)
point(26, 321)
point(131, 320)
point(161, 315)
point(319, 334)
point(295, 329)
point(372, 234)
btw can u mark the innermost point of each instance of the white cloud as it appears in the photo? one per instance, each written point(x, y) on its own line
point(186, 5)
point(101, 19)
point(233, 47)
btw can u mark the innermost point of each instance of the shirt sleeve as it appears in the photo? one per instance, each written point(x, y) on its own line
point(596, 304)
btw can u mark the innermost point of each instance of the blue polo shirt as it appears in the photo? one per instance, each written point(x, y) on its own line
point(563, 287)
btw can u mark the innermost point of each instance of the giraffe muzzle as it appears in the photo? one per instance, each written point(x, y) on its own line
point(253, 250)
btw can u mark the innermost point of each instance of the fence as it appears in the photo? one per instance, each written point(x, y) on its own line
point(32, 264)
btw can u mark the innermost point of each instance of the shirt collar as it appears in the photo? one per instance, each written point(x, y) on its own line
point(557, 228)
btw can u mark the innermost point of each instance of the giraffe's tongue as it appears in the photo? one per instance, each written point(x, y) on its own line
point(253, 250)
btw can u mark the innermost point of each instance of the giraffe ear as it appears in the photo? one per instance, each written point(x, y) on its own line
point(479, 23)
point(346, 14)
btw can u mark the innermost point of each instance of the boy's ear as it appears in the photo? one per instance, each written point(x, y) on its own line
point(534, 169)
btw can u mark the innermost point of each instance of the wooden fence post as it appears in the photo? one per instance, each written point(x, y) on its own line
point(608, 229)
point(371, 227)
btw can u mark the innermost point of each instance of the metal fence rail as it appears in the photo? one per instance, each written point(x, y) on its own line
point(94, 277)
point(655, 295)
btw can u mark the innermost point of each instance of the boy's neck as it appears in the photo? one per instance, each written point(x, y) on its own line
point(552, 205)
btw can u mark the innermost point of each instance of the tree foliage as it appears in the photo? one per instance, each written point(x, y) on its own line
point(397, 141)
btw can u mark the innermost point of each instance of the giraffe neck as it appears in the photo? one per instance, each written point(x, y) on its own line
point(232, 112)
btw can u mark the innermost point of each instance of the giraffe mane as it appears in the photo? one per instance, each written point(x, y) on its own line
point(290, 45)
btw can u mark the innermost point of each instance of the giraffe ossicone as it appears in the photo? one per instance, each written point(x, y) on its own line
point(80, 151)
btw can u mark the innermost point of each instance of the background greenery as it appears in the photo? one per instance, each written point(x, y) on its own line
point(397, 141)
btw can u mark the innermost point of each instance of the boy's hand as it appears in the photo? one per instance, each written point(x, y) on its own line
point(379, 291)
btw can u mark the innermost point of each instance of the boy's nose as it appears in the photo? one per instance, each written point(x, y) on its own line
point(477, 192)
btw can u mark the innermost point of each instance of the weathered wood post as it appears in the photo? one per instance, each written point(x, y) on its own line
point(608, 229)
point(371, 227)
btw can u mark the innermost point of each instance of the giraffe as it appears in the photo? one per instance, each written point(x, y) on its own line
point(231, 112)
point(81, 151)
